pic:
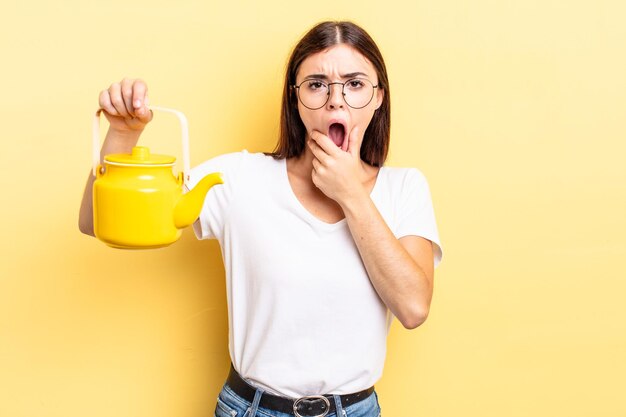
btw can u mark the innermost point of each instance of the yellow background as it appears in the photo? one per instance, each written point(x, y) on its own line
point(514, 110)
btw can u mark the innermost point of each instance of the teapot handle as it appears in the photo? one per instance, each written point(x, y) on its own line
point(185, 134)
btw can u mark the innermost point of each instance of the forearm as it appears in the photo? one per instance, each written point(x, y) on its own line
point(115, 142)
point(399, 281)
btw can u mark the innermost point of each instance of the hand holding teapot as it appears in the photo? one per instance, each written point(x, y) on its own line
point(138, 202)
point(126, 105)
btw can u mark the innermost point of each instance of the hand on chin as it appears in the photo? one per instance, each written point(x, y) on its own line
point(336, 171)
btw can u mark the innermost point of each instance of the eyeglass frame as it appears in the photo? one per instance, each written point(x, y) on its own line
point(343, 95)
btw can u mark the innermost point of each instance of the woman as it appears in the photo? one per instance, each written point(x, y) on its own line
point(322, 245)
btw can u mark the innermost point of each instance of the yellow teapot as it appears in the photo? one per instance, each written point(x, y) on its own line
point(138, 203)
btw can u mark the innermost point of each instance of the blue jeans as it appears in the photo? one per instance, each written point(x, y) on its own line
point(230, 404)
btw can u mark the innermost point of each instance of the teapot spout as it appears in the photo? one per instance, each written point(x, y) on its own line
point(188, 208)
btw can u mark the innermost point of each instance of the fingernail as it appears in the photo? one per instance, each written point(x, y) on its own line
point(137, 103)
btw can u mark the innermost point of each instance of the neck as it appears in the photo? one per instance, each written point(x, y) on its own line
point(302, 166)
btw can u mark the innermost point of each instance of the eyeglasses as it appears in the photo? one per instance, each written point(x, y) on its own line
point(314, 93)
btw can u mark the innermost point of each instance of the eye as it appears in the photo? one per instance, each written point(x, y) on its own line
point(314, 85)
point(355, 84)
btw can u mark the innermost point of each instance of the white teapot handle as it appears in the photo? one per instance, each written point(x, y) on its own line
point(185, 133)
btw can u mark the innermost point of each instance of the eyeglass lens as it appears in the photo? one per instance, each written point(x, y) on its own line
point(357, 92)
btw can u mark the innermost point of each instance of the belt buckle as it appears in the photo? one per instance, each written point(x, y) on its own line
point(311, 397)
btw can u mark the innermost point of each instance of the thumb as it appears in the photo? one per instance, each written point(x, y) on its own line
point(146, 115)
point(142, 110)
point(354, 147)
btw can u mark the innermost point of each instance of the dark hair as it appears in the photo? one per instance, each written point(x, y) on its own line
point(322, 36)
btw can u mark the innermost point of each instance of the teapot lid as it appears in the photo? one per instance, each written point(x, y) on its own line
point(140, 156)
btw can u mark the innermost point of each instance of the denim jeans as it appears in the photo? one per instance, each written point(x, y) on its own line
point(230, 404)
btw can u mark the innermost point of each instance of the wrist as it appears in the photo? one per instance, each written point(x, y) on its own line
point(124, 134)
point(355, 202)
point(120, 141)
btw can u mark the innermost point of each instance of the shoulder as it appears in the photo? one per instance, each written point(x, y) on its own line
point(223, 161)
point(235, 166)
point(234, 161)
point(401, 178)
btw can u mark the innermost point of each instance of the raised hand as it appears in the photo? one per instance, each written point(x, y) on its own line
point(125, 105)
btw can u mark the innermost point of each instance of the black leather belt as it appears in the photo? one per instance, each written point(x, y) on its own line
point(316, 405)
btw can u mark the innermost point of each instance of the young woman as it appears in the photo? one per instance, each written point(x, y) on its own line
point(322, 244)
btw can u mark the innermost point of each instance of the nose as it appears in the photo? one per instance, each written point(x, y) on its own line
point(336, 95)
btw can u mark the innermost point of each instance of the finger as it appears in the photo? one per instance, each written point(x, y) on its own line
point(126, 86)
point(104, 101)
point(319, 169)
point(318, 152)
point(316, 165)
point(140, 101)
point(354, 143)
point(324, 142)
point(115, 93)
point(316, 172)
point(140, 90)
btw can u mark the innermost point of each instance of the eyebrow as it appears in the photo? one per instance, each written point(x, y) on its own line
point(325, 77)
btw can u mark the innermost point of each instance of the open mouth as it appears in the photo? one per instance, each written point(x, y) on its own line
point(337, 133)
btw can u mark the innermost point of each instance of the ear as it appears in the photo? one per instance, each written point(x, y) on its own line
point(380, 95)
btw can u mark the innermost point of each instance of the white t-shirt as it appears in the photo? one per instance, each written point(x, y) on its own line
point(304, 318)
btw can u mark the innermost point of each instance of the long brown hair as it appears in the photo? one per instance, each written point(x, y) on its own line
point(322, 36)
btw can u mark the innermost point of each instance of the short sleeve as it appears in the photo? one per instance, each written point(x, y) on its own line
point(416, 215)
point(210, 223)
